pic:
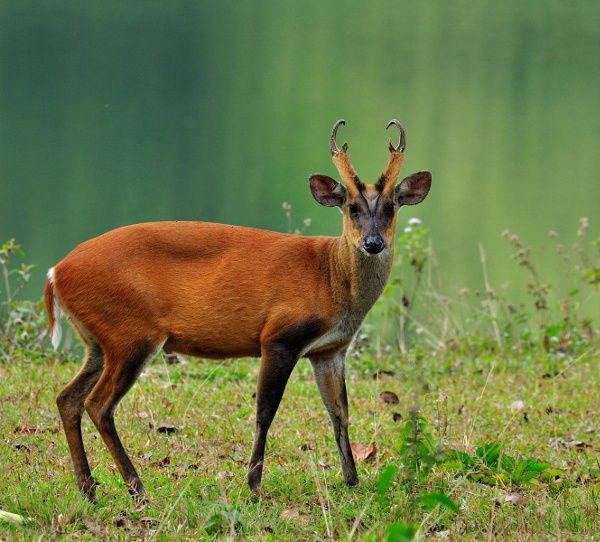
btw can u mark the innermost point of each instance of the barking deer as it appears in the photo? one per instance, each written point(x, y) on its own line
point(219, 291)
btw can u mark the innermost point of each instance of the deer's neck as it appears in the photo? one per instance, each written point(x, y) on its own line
point(358, 277)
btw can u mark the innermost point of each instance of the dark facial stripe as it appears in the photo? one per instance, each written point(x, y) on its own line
point(359, 185)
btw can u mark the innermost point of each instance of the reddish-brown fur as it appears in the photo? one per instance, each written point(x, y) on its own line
point(219, 291)
point(221, 300)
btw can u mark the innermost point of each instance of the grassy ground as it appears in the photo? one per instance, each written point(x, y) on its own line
point(479, 370)
point(195, 476)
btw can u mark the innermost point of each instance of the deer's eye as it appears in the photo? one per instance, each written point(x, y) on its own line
point(388, 209)
point(353, 208)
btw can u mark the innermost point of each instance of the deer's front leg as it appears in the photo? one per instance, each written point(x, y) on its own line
point(330, 376)
point(280, 353)
point(275, 371)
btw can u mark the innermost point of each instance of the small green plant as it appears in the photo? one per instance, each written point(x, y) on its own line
point(418, 455)
point(491, 465)
point(414, 314)
point(405, 282)
point(564, 325)
point(225, 519)
point(23, 324)
point(417, 452)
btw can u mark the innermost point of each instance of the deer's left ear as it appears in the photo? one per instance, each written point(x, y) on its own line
point(413, 189)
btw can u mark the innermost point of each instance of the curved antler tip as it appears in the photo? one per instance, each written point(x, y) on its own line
point(332, 144)
point(402, 142)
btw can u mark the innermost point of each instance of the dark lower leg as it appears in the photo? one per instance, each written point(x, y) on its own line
point(120, 373)
point(329, 374)
point(70, 406)
point(274, 374)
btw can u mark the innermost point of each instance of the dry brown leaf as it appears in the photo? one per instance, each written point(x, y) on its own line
point(123, 522)
point(148, 519)
point(556, 411)
point(294, 514)
point(164, 462)
point(225, 474)
point(303, 520)
point(167, 428)
point(168, 385)
point(513, 498)
point(93, 526)
point(173, 359)
point(380, 372)
point(517, 405)
point(389, 397)
point(361, 452)
point(577, 444)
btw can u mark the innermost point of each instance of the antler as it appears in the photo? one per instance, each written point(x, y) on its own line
point(388, 177)
point(402, 144)
point(332, 143)
point(342, 160)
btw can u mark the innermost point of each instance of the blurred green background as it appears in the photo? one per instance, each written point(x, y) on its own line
point(113, 113)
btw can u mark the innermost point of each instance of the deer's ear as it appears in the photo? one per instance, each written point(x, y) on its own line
point(326, 191)
point(413, 189)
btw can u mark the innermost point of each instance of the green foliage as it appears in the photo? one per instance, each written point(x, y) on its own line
point(422, 462)
point(417, 452)
point(225, 520)
point(446, 350)
point(401, 532)
point(414, 312)
point(417, 455)
point(493, 466)
point(23, 324)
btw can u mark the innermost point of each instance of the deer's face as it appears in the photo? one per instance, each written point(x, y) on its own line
point(370, 220)
point(370, 209)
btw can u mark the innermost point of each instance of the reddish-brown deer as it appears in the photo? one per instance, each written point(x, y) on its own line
point(218, 291)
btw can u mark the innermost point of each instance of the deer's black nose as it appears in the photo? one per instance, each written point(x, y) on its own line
point(373, 244)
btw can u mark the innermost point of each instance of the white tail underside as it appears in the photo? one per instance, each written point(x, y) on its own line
point(57, 331)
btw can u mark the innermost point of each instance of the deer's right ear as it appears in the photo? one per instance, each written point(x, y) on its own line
point(326, 191)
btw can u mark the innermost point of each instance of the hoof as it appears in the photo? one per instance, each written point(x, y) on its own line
point(255, 484)
point(138, 493)
point(254, 479)
point(88, 486)
point(256, 489)
point(352, 482)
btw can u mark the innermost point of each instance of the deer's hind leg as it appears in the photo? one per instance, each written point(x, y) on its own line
point(70, 402)
point(122, 368)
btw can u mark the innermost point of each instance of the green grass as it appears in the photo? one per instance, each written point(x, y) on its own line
point(466, 401)
point(478, 368)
